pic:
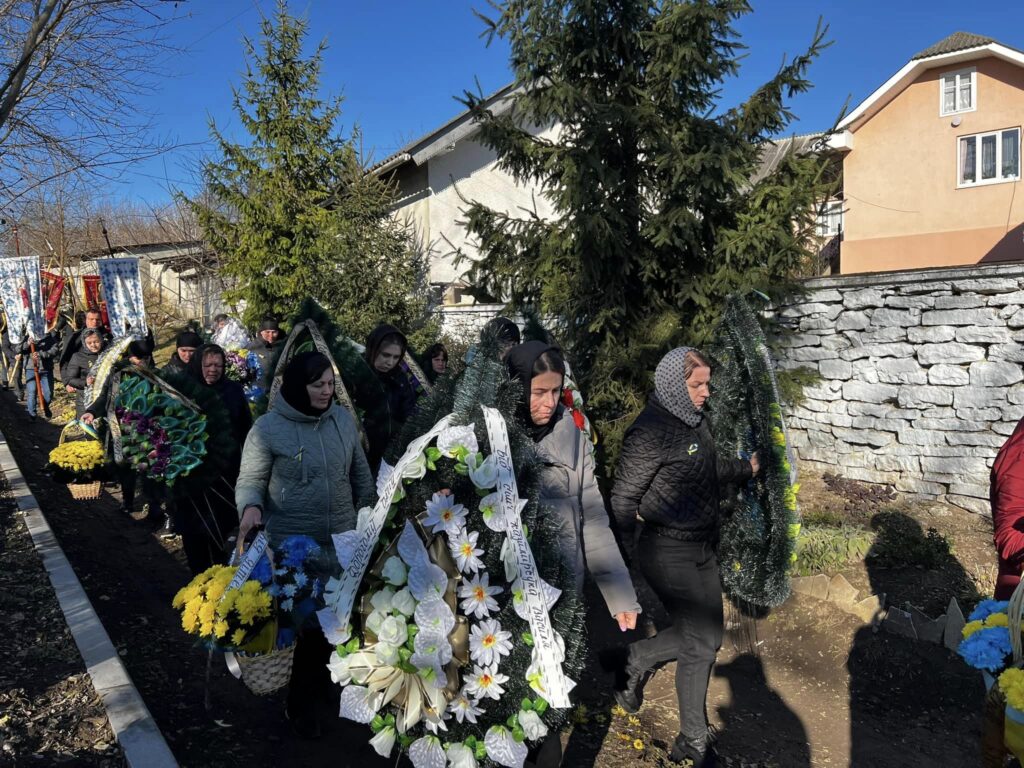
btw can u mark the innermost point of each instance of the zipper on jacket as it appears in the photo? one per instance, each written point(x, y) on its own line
point(327, 475)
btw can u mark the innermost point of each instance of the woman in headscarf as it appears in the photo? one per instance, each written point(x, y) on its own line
point(383, 419)
point(568, 487)
point(669, 475)
point(205, 518)
point(78, 373)
point(304, 472)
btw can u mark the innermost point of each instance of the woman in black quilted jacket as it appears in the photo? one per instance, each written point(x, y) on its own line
point(669, 476)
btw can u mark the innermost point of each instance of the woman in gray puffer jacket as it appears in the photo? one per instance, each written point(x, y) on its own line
point(304, 472)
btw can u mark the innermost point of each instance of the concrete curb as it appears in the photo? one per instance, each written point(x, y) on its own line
point(133, 725)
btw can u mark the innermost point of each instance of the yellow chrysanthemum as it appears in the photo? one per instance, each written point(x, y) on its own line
point(237, 636)
point(1011, 683)
point(997, 620)
point(220, 629)
point(971, 627)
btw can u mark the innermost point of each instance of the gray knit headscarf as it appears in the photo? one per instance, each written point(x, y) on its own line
point(670, 387)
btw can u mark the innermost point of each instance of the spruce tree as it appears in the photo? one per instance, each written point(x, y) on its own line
point(659, 211)
point(293, 213)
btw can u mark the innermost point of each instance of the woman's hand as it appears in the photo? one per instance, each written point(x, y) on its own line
point(90, 380)
point(251, 517)
point(69, 388)
point(87, 418)
point(626, 619)
point(755, 463)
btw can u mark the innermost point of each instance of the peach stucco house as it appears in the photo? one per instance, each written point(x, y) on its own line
point(932, 162)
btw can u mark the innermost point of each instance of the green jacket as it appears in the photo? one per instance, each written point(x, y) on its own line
point(308, 474)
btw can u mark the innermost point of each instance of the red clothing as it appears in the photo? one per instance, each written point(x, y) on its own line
point(1006, 493)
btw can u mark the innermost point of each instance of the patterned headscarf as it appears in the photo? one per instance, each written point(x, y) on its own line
point(670, 387)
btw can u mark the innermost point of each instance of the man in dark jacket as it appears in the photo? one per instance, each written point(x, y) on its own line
point(73, 341)
point(77, 374)
point(42, 358)
point(267, 346)
point(185, 346)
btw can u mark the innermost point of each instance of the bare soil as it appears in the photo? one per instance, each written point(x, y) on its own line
point(804, 686)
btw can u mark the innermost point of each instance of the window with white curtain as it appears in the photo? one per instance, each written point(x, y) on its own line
point(958, 92)
point(830, 219)
point(988, 158)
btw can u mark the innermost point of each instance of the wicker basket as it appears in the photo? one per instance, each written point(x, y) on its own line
point(85, 491)
point(266, 672)
point(993, 720)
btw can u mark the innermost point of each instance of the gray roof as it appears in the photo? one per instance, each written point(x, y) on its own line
point(774, 150)
point(958, 41)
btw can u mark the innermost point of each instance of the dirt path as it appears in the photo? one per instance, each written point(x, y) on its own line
point(804, 686)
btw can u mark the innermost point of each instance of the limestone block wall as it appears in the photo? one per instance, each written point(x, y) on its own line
point(921, 377)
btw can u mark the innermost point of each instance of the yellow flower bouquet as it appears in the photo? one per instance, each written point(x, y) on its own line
point(79, 461)
point(239, 619)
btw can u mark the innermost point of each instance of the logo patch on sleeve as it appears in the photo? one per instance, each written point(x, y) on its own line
point(692, 449)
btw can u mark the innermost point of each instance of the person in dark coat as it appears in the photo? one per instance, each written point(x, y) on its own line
point(77, 374)
point(186, 343)
point(206, 518)
point(1006, 494)
point(385, 348)
point(43, 357)
point(267, 346)
point(435, 362)
point(72, 341)
point(669, 475)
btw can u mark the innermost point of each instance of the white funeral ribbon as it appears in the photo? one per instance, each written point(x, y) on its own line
point(334, 619)
point(245, 568)
point(556, 684)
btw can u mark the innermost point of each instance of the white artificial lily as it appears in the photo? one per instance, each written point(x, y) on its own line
point(394, 571)
point(427, 582)
point(427, 752)
point(484, 474)
point(492, 512)
point(434, 617)
point(532, 725)
point(384, 741)
point(432, 649)
point(477, 596)
point(485, 683)
point(443, 514)
point(415, 468)
point(403, 602)
point(460, 756)
point(503, 749)
point(488, 642)
point(457, 437)
point(465, 551)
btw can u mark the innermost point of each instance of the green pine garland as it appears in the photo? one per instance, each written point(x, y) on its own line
point(485, 382)
point(758, 538)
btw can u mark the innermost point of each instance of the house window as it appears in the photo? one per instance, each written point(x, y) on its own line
point(958, 92)
point(988, 158)
point(830, 219)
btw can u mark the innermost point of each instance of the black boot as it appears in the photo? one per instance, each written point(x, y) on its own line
point(699, 753)
point(629, 686)
point(168, 532)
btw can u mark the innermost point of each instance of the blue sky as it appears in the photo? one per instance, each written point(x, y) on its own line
point(400, 63)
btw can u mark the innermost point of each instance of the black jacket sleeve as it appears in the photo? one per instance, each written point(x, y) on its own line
point(639, 462)
point(733, 471)
point(75, 373)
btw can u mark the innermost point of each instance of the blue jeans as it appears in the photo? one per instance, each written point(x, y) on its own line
point(31, 398)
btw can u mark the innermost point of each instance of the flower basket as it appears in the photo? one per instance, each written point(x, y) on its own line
point(85, 491)
point(1002, 726)
point(265, 673)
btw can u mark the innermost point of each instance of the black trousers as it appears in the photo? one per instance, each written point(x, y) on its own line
point(685, 577)
point(309, 685)
point(205, 520)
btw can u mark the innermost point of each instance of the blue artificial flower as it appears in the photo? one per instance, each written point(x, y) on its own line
point(262, 573)
point(294, 550)
point(987, 648)
point(986, 608)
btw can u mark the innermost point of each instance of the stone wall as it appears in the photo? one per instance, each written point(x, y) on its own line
point(921, 376)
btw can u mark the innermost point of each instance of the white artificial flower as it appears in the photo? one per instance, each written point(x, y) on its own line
point(457, 437)
point(464, 550)
point(485, 682)
point(492, 512)
point(381, 600)
point(431, 648)
point(393, 631)
point(374, 620)
point(434, 617)
point(443, 514)
point(433, 675)
point(484, 474)
point(427, 582)
point(477, 596)
point(386, 653)
point(488, 642)
point(465, 708)
point(503, 749)
point(394, 571)
point(532, 725)
point(384, 741)
point(460, 756)
point(426, 752)
point(403, 602)
point(415, 468)
point(510, 560)
point(338, 665)
point(434, 725)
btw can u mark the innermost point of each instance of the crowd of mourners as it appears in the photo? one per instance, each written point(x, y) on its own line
point(301, 468)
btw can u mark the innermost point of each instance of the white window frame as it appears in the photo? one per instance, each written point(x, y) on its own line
point(956, 75)
point(830, 210)
point(999, 179)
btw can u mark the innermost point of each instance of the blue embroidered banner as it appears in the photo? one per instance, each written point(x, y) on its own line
point(122, 290)
point(22, 296)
